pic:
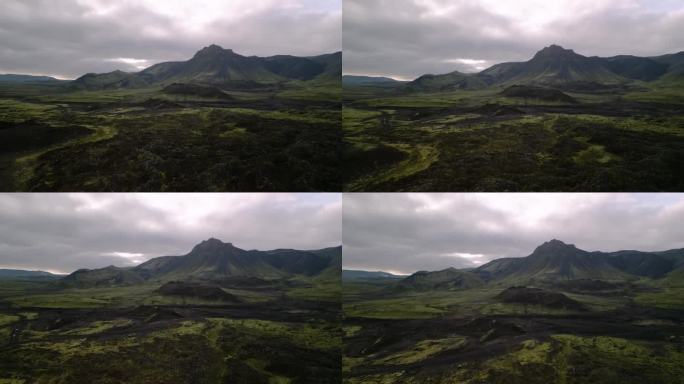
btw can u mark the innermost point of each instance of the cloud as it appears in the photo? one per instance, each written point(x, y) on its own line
point(408, 38)
point(69, 38)
point(409, 232)
point(64, 232)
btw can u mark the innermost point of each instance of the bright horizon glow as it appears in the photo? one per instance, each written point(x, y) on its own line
point(70, 38)
point(434, 231)
point(410, 38)
point(66, 232)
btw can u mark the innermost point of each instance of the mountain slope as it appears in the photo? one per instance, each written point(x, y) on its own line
point(103, 277)
point(449, 279)
point(352, 275)
point(12, 78)
point(675, 65)
point(215, 65)
point(448, 82)
point(368, 81)
point(637, 68)
point(553, 65)
point(215, 260)
point(556, 66)
point(555, 260)
point(11, 274)
point(332, 63)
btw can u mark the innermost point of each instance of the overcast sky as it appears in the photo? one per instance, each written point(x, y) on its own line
point(68, 38)
point(408, 38)
point(404, 233)
point(65, 232)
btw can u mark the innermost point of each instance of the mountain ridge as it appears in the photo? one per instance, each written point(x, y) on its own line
point(555, 261)
point(10, 274)
point(20, 78)
point(216, 65)
point(213, 259)
point(557, 66)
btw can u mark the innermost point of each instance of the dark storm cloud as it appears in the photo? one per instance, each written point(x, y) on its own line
point(408, 38)
point(409, 232)
point(62, 232)
point(69, 38)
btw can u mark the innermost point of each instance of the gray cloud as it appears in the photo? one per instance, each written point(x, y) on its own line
point(408, 38)
point(64, 232)
point(409, 232)
point(72, 37)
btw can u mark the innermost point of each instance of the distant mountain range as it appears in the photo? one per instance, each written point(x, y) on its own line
point(369, 80)
point(17, 274)
point(26, 79)
point(218, 66)
point(351, 274)
point(215, 260)
point(556, 66)
point(555, 261)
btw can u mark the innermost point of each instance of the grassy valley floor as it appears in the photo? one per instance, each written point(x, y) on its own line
point(270, 138)
point(634, 334)
point(281, 333)
point(622, 139)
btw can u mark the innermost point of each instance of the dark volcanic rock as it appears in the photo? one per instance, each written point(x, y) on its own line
point(159, 104)
point(196, 90)
point(539, 93)
point(197, 290)
point(498, 110)
point(538, 296)
point(582, 285)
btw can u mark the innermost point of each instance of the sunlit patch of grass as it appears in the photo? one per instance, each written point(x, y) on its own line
point(8, 319)
point(667, 298)
point(351, 330)
point(99, 327)
point(595, 154)
point(420, 158)
point(423, 350)
point(307, 336)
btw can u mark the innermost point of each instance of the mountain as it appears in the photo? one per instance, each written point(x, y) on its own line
point(219, 66)
point(555, 260)
point(369, 81)
point(351, 275)
point(333, 67)
point(558, 262)
point(448, 82)
point(675, 65)
point(12, 274)
point(449, 279)
point(556, 66)
point(215, 260)
point(9, 78)
point(552, 65)
point(637, 68)
point(103, 277)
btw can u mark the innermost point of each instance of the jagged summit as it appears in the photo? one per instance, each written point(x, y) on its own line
point(555, 245)
point(556, 51)
point(214, 50)
point(212, 242)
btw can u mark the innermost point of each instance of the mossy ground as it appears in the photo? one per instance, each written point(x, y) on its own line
point(144, 140)
point(481, 141)
point(635, 335)
point(130, 335)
